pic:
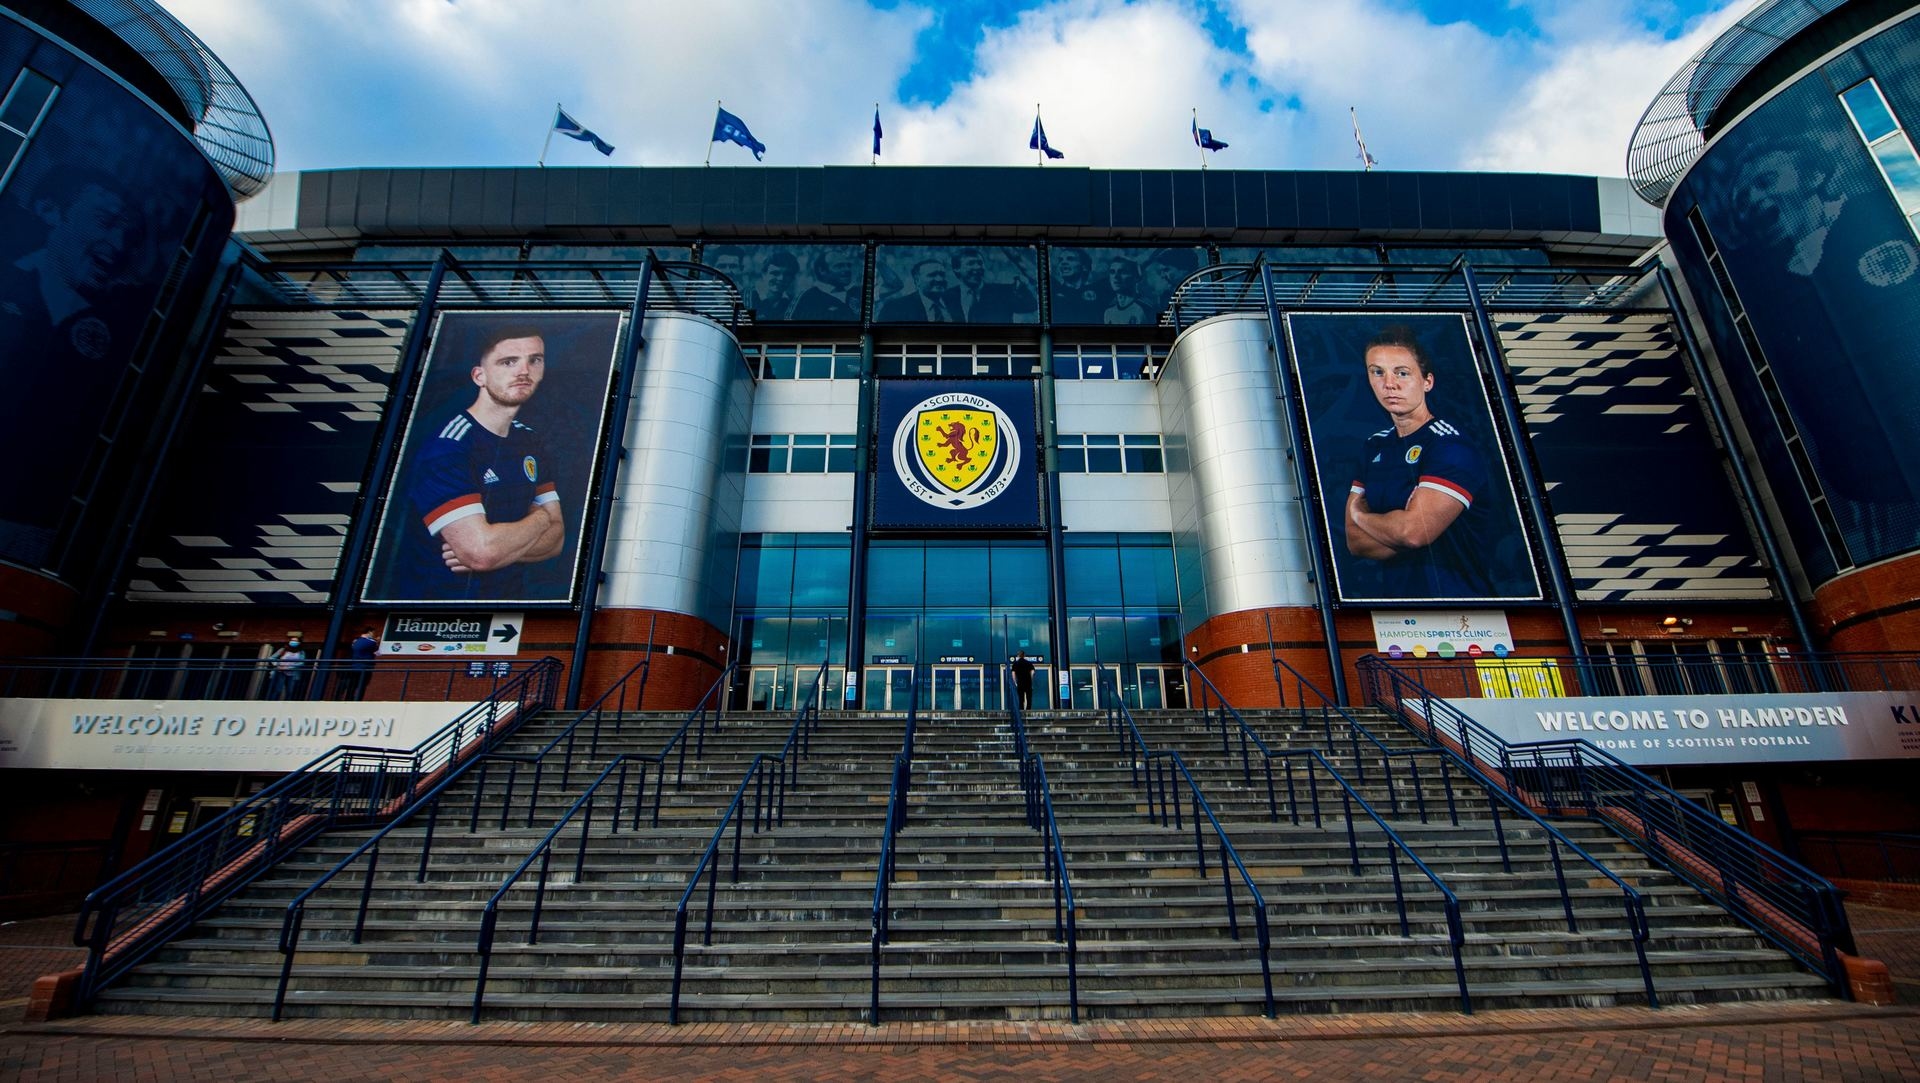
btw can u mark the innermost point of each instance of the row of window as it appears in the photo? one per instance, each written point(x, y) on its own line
point(833, 453)
point(1889, 145)
point(841, 361)
point(21, 112)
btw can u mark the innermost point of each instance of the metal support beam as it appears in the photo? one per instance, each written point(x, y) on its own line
point(862, 488)
point(1318, 545)
point(105, 584)
point(353, 555)
point(1523, 457)
point(1056, 551)
point(609, 477)
point(1749, 492)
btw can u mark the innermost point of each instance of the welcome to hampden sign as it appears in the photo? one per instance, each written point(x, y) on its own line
point(1652, 730)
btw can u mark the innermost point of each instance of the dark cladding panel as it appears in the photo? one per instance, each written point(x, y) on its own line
point(496, 194)
point(436, 199)
point(1343, 200)
point(467, 201)
point(373, 199)
point(1313, 211)
point(1156, 199)
point(1374, 195)
point(1218, 190)
point(1123, 189)
point(590, 194)
point(315, 190)
point(530, 199)
point(1189, 200)
point(1249, 199)
point(562, 202)
point(403, 199)
point(1403, 199)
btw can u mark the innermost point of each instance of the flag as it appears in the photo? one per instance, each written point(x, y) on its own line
point(1203, 137)
point(728, 128)
point(572, 129)
point(1038, 140)
point(876, 131)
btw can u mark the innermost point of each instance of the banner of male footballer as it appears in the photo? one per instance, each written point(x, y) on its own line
point(956, 454)
point(1419, 503)
point(488, 502)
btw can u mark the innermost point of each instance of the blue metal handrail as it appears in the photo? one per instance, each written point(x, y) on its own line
point(1397, 845)
point(1066, 925)
point(125, 920)
point(1228, 856)
point(1039, 805)
point(898, 791)
point(583, 809)
point(767, 811)
point(294, 917)
point(1786, 903)
point(568, 736)
point(1163, 771)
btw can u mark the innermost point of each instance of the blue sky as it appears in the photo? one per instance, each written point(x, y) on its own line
point(1530, 85)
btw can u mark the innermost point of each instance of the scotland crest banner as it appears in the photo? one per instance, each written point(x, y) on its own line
point(956, 455)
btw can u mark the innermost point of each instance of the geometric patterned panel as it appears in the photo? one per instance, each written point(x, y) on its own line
point(1642, 506)
point(257, 498)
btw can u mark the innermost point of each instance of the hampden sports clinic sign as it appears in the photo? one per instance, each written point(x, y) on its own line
point(202, 735)
point(1716, 729)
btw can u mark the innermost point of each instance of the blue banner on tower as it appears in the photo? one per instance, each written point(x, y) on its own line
point(956, 455)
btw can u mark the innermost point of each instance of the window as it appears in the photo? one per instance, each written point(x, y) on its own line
point(1107, 362)
point(957, 359)
point(1889, 145)
point(21, 112)
point(789, 361)
point(1111, 453)
point(802, 453)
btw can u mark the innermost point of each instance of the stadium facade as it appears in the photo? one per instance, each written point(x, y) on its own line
point(886, 418)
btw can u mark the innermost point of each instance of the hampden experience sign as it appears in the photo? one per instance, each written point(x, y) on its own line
point(1715, 729)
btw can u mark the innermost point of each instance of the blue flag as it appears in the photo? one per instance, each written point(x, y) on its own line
point(573, 129)
point(876, 133)
point(1203, 137)
point(728, 128)
point(1038, 140)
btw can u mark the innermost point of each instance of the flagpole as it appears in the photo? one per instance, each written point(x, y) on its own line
point(875, 160)
point(717, 106)
point(1039, 155)
point(544, 147)
point(1196, 138)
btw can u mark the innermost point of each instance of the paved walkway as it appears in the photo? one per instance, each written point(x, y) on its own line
point(1767, 1041)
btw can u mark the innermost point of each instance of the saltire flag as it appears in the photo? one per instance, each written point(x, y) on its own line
point(573, 129)
point(1203, 137)
point(1038, 140)
point(728, 128)
point(876, 131)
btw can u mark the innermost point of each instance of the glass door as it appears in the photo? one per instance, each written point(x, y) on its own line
point(765, 690)
point(1085, 685)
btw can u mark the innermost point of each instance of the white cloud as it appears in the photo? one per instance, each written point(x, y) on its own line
point(1117, 84)
point(1578, 114)
point(433, 82)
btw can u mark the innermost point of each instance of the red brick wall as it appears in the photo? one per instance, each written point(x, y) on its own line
point(1873, 609)
point(1246, 679)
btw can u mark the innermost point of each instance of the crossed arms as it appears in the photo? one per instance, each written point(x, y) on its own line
point(473, 544)
point(1382, 535)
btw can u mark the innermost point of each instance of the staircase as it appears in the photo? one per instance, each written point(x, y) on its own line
point(973, 932)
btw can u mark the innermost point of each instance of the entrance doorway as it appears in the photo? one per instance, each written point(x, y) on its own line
point(1159, 687)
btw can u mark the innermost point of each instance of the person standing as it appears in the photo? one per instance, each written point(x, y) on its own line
point(1411, 506)
point(1023, 679)
point(285, 672)
point(483, 500)
point(365, 647)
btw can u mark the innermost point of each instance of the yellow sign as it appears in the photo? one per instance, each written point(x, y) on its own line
point(955, 445)
point(1519, 678)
